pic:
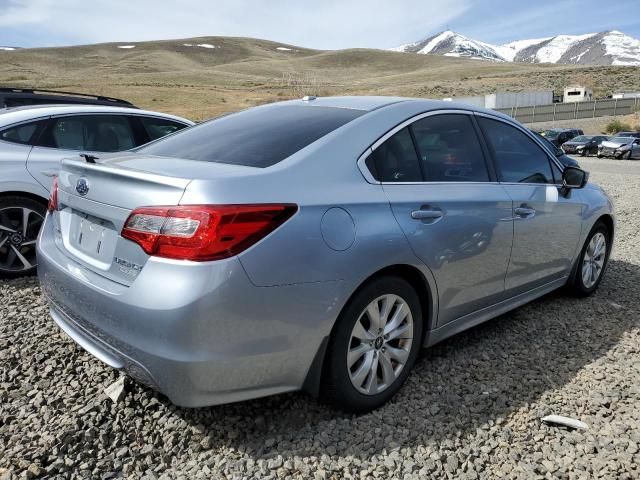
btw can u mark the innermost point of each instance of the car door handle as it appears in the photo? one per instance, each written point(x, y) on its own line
point(427, 214)
point(525, 212)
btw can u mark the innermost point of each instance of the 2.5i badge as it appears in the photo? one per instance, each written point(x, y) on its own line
point(128, 268)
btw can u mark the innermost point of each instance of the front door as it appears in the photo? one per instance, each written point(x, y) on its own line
point(547, 225)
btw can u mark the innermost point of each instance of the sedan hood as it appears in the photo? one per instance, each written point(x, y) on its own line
point(610, 144)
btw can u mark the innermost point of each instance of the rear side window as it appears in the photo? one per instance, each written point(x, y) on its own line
point(258, 137)
point(159, 127)
point(98, 133)
point(449, 149)
point(519, 159)
point(395, 160)
point(20, 134)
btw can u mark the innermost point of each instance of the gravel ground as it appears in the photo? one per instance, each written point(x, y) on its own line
point(471, 408)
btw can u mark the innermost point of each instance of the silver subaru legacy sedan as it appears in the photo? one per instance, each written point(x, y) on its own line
point(314, 245)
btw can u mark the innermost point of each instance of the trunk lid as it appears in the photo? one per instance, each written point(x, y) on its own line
point(95, 200)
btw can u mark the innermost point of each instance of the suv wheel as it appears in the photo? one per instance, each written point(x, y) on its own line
point(592, 262)
point(374, 345)
point(20, 222)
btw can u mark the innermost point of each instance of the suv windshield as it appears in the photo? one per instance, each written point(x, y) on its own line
point(622, 139)
point(581, 138)
point(259, 137)
point(550, 133)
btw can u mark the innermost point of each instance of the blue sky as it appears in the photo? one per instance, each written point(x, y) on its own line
point(319, 24)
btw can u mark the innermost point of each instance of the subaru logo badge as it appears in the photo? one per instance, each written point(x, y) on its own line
point(82, 187)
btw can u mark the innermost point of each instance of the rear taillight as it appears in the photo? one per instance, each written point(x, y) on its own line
point(53, 197)
point(203, 232)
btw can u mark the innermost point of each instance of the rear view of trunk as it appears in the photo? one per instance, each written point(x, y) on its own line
point(92, 204)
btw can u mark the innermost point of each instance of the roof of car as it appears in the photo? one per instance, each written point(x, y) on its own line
point(370, 103)
point(9, 116)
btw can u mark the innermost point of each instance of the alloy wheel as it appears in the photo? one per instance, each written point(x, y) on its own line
point(19, 227)
point(380, 344)
point(593, 260)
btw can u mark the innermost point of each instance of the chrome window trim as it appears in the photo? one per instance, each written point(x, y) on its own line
point(362, 166)
point(370, 179)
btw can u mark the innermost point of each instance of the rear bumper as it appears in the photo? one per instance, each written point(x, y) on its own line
point(201, 333)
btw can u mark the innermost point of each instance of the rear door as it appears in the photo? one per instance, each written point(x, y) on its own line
point(456, 218)
point(70, 135)
point(547, 225)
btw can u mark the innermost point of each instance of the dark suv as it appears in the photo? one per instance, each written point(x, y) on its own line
point(23, 97)
point(558, 136)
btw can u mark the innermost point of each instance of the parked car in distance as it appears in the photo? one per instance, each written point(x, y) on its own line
point(628, 134)
point(565, 159)
point(558, 136)
point(584, 144)
point(22, 97)
point(620, 147)
point(314, 245)
point(33, 140)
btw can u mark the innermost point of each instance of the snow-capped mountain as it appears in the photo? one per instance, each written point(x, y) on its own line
point(8, 48)
point(604, 48)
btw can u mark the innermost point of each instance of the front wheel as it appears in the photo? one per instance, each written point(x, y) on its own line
point(373, 346)
point(592, 262)
point(20, 222)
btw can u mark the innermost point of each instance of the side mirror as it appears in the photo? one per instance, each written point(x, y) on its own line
point(574, 177)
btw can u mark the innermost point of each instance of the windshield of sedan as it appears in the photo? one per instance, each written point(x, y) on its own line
point(581, 138)
point(258, 137)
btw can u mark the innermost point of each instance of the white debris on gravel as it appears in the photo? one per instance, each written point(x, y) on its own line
point(471, 408)
point(565, 422)
point(205, 45)
point(115, 390)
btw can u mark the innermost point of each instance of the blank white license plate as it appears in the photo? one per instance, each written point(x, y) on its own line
point(91, 235)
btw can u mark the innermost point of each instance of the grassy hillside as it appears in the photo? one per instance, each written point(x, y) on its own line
point(180, 77)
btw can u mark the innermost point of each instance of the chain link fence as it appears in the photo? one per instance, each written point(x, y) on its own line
point(572, 111)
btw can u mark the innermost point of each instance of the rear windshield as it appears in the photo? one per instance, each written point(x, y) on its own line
point(258, 137)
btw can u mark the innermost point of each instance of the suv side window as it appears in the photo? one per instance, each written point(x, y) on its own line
point(159, 127)
point(518, 158)
point(22, 134)
point(395, 160)
point(449, 149)
point(98, 133)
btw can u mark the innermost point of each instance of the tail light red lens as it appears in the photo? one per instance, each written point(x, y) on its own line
point(203, 232)
point(53, 197)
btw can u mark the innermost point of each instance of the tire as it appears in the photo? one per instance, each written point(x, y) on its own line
point(627, 155)
point(345, 386)
point(583, 153)
point(599, 156)
point(17, 243)
point(577, 284)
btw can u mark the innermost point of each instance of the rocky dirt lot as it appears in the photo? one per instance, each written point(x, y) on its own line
point(471, 408)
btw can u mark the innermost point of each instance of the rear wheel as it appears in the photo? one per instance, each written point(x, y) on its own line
point(592, 262)
point(20, 222)
point(374, 345)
